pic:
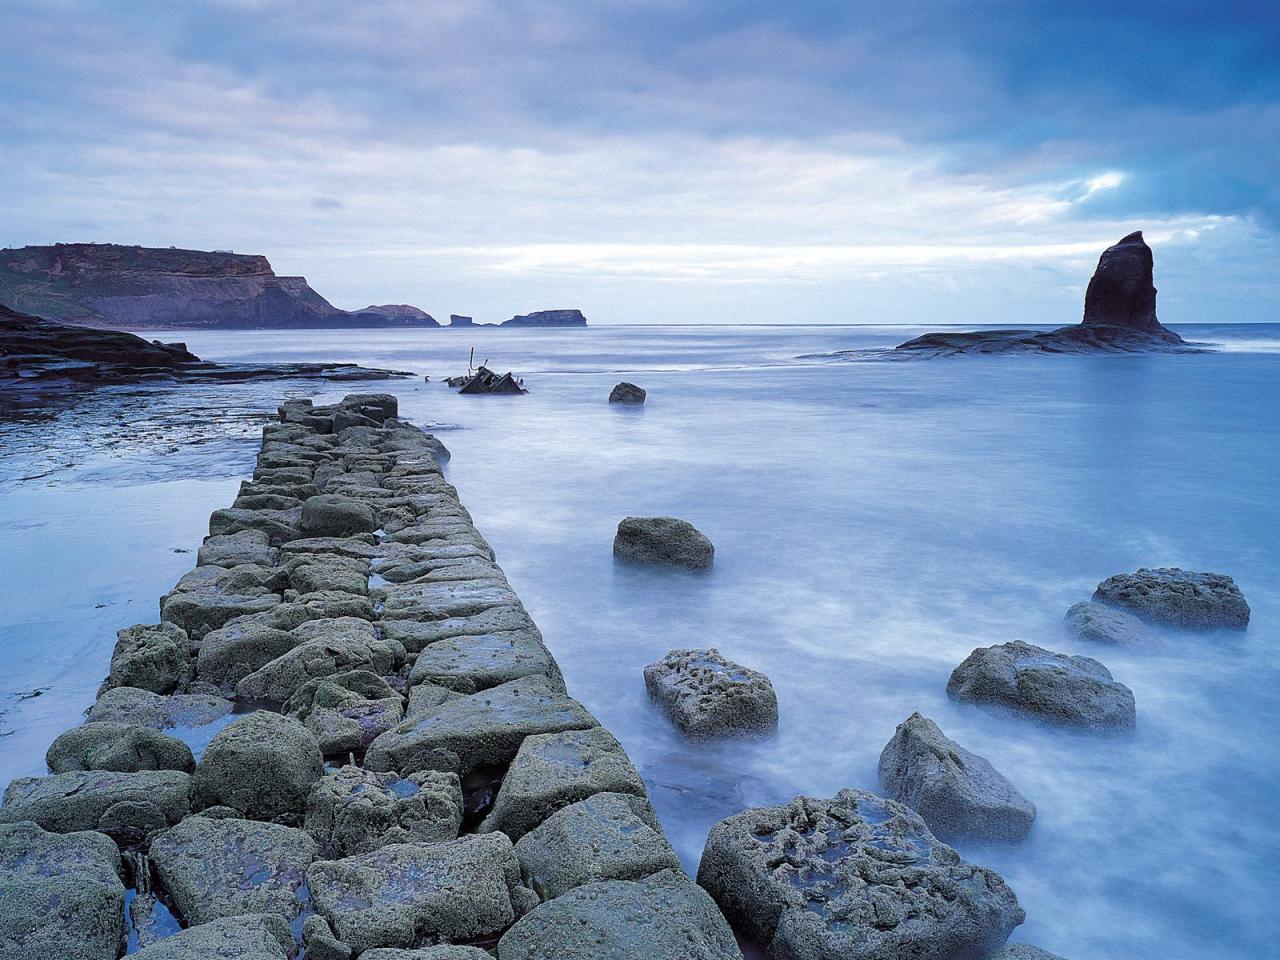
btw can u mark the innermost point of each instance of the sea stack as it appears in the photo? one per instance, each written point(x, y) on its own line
point(1121, 293)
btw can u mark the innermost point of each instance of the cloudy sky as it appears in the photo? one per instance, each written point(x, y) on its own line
point(662, 161)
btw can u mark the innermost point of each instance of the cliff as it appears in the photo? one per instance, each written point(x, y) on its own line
point(548, 318)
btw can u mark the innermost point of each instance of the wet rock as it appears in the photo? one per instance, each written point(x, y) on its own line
point(610, 836)
point(664, 917)
point(363, 546)
point(418, 634)
point(226, 867)
point(553, 770)
point(358, 811)
point(142, 707)
point(208, 597)
point(1071, 690)
point(407, 893)
point(229, 654)
point(442, 952)
point(263, 765)
point(67, 802)
point(60, 895)
point(626, 393)
point(329, 646)
point(707, 696)
point(411, 570)
point(321, 942)
point(330, 574)
point(662, 540)
point(347, 711)
point(280, 526)
point(331, 515)
point(958, 793)
point(1178, 598)
point(122, 747)
point(468, 664)
point(1023, 951)
point(1099, 623)
point(332, 604)
point(255, 936)
point(854, 877)
point(1121, 292)
point(427, 697)
point(484, 728)
point(149, 657)
point(435, 601)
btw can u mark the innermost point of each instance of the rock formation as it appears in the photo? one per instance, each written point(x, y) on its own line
point(396, 315)
point(708, 696)
point(1178, 598)
point(457, 320)
point(663, 540)
point(548, 318)
point(627, 393)
point(1121, 292)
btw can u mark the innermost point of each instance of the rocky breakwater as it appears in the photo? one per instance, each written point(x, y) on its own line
point(345, 734)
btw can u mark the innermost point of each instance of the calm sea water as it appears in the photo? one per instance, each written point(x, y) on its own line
point(873, 522)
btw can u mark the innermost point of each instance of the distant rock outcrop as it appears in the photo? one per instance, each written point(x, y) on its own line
point(1119, 317)
point(548, 318)
point(456, 320)
point(399, 314)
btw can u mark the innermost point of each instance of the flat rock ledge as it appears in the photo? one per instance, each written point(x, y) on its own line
point(346, 733)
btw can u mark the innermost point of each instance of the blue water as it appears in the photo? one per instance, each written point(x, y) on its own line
point(873, 523)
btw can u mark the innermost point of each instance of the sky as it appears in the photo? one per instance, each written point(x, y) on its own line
point(652, 161)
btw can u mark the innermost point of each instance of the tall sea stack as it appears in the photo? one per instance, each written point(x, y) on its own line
point(1121, 293)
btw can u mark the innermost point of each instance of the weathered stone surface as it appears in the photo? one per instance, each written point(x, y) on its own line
point(609, 836)
point(339, 645)
point(627, 393)
point(472, 663)
point(280, 526)
point(347, 711)
point(553, 770)
point(854, 877)
point(1121, 292)
point(1178, 598)
point(254, 936)
point(149, 657)
point(418, 634)
point(442, 952)
point(426, 697)
point(229, 654)
point(66, 802)
point(664, 917)
point(1072, 690)
point(362, 546)
point(436, 601)
point(330, 573)
point(484, 728)
point(1100, 623)
point(208, 597)
point(60, 895)
point(707, 696)
point(958, 793)
point(332, 515)
point(1023, 951)
point(358, 811)
point(263, 765)
point(130, 705)
point(123, 747)
point(662, 540)
point(407, 893)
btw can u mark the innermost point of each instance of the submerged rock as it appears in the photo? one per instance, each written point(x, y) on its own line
point(1071, 690)
point(627, 393)
point(1100, 623)
point(263, 765)
point(854, 877)
point(358, 811)
point(253, 936)
point(707, 696)
point(664, 540)
point(122, 747)
point(958, 793)
point(1178, 598)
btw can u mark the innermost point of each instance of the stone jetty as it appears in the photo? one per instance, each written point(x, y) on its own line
point(345, 735)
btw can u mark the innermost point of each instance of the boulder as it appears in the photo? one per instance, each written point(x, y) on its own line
point(229, 654)
point(208, 597)
point(663, 917)
point(280, 526)
point(321, 942)
point(60, 895)
point(553, 770)
point(662, 540)
point(1023, 951)
point(331, 515)
point(627, 393)
point(330, 574)
point(958, 793)
point(407, 893)
point(707, 696)
point(215, 868)
point(1178, 598)
point(1071, 690)
point(263, 765)
point(329, 646)
point(472, 663)
point(357, 810)
point(142, 707)
point(123, 747)
point(1099, 623)
point(254, 936)
point(442, 952)
point(67, 802)
point(231, 550)
point(1121, 292)
point(854, 877)
point(149, 657)
point(435, 601)
point(347, 711)
point(609, 836)
point(416, 635)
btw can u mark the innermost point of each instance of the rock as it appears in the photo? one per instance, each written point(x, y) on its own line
point(358, 811)
point(254, 936)
point(226, 867)
point(664, 917)
point(609, 836)
point(347, 711)
point(67, 802)
point(60, 895)
point(853, 877)
point(149, 657)
point(1023, 951)
point(958, 793)
point(1071, 690)
point(553, 770)
point(122, 747)
point(1099, 623)
point(434, 601)
point(426, 697)
point(456, 320)
point(208, 597)
point(280, 526)
point(405, 893)
point(627, 393)
point(663, 540)
point(442, 952)
point(331, 515)
point(547, 318)
point(142, 707)
point(472, 663)
point(330, 574)
point(321, 943)
point(231, 550)
point(484, 728)
point(229, 654)
point(1121, 292)
point(416, 635)
point(329, 646)
point(707, 696)
point(263, 765)
point(1178, 598)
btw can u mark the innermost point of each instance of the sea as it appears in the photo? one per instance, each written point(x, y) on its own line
point(874, 522)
